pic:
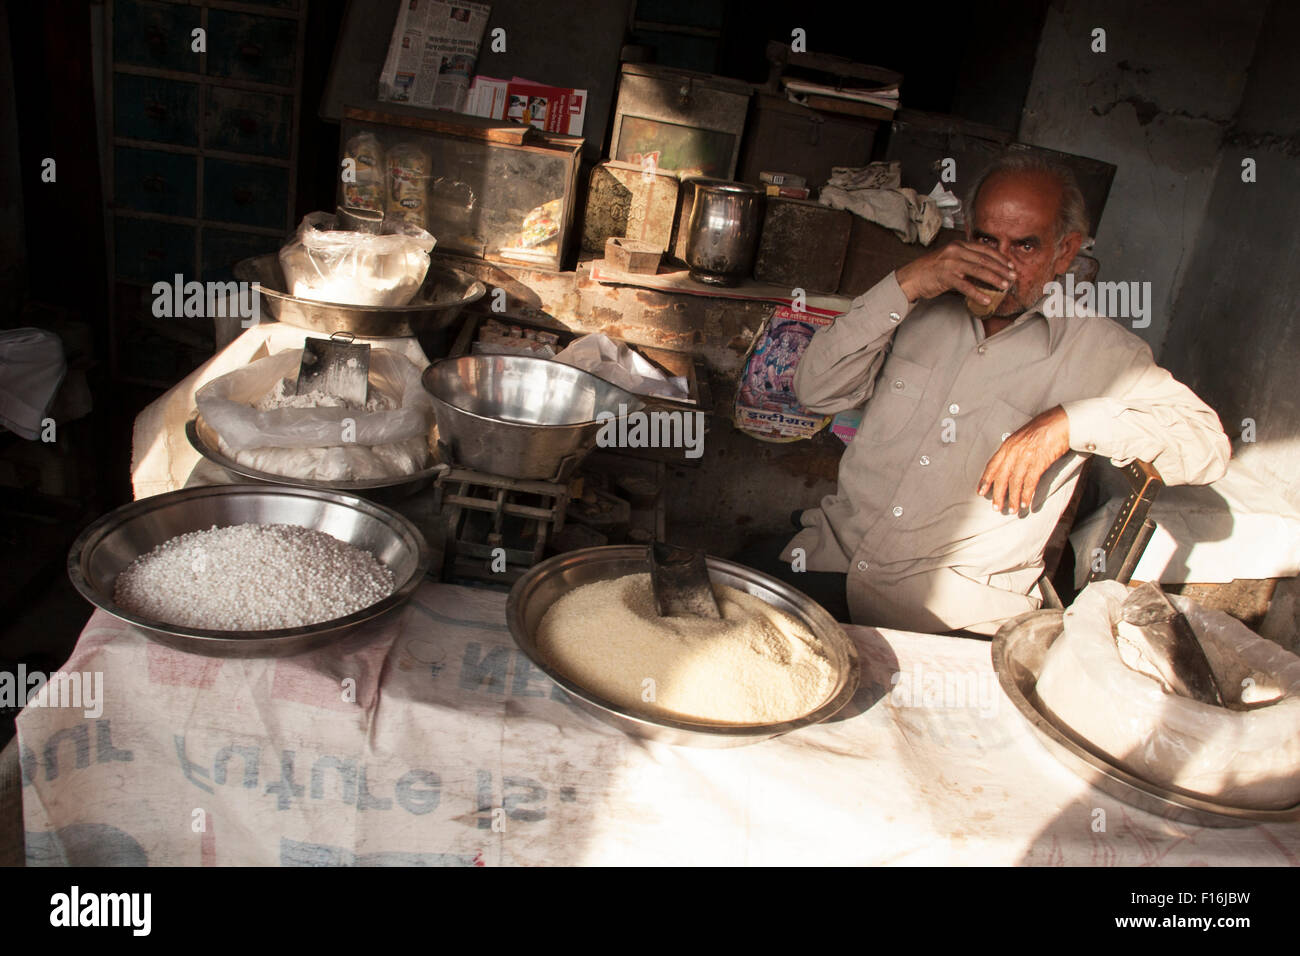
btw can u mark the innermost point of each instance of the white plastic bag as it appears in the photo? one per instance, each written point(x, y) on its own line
point(317, 443)
point(619, 365)
point(1244, 758)
point(355, 268)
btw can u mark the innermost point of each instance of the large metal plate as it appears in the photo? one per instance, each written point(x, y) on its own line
point(1018, 652)
point(111, 543)
point(534, 593)
point(436, 306)
point(204, 440)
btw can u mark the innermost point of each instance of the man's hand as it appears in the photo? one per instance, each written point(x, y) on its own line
point(1013, 472)
point(950, 268)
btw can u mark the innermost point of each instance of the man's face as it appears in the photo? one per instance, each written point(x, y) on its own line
point(1016, 215)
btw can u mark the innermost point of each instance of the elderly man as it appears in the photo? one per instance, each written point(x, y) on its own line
point(974, 430)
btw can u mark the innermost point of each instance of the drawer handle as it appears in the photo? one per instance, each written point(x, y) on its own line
point(156, 111)
point(155, 183)
point(250, 53)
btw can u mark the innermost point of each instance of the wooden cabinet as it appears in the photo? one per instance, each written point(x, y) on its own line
point(201, 162)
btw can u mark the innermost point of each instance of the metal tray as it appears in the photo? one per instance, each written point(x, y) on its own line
point(204, 440)
point(534, 593)
point(1018, 652)
point(102, 550)
point(436, 306)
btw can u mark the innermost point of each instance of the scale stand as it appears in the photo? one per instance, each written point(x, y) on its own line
point(487, 512)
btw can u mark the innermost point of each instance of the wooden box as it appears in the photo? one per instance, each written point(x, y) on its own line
point(788, 138)
point(803, 245)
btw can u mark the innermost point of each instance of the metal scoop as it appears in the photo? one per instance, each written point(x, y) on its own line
point(679, 578)
point(1167, 641)
point(336, 366)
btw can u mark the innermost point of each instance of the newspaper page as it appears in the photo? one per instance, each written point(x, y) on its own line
point(433, 52)
point(766, 406)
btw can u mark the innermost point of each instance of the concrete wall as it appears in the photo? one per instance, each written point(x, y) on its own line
point(1157, 104)
point(1236, 331)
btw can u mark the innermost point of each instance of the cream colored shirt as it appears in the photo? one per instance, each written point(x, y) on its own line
point(921, 550)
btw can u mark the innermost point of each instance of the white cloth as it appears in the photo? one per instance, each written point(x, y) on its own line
point(458, 751)
point(1234, 528)
point(912, 217)
point(161, 456)
point(32, 367)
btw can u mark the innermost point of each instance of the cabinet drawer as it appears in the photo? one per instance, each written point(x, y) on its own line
point(247, 47)
point(238, 121)
point(156, 34)
point(222, 248)
point(152, 251)
point(245, 193)
point(153, 181)
point(149, 107)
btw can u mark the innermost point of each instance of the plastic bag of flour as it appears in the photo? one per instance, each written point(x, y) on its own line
point(355, 268)
point(388, 438)
point(1244, 755)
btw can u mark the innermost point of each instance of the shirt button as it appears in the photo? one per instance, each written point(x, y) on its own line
point(1090, 446)
point(1006, 435)
point(895, 317)
point(954, 408)
point(862, 565)
point(925, 459)
point(983, 349)
point(898, 512)
point(898, 383)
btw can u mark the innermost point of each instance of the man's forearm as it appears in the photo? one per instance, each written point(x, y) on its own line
point(838, 368)
point(1155, 418)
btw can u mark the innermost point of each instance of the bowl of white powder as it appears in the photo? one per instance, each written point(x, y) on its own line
point(776, 662)
point(248, 570)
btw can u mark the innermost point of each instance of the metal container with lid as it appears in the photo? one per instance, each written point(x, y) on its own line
point(722, 236)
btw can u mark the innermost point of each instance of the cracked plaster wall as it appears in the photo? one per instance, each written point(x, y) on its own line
point(1157, 104)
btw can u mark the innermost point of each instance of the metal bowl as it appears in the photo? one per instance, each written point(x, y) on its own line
point(435, 307)
point(543, 585)
point(520, 416)
point(1018, 651)
point(111, 543)
point(204, 440)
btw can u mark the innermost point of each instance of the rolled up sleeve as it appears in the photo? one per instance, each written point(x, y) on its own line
point(838, 369)
point(1149, 415)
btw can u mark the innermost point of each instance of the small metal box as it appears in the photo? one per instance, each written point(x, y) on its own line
point(627, 201)
point(803, 245)
point(686, 122)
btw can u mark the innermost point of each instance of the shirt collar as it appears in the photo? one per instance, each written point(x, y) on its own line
point(1056, 324)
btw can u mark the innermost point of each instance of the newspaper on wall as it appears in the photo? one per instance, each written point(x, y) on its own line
point(554, 109)
point(433, 52)
point(766, 406)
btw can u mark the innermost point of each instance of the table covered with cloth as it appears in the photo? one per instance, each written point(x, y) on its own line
point(427, 738)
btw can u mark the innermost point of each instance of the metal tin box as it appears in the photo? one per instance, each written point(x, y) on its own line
point(690, 123)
